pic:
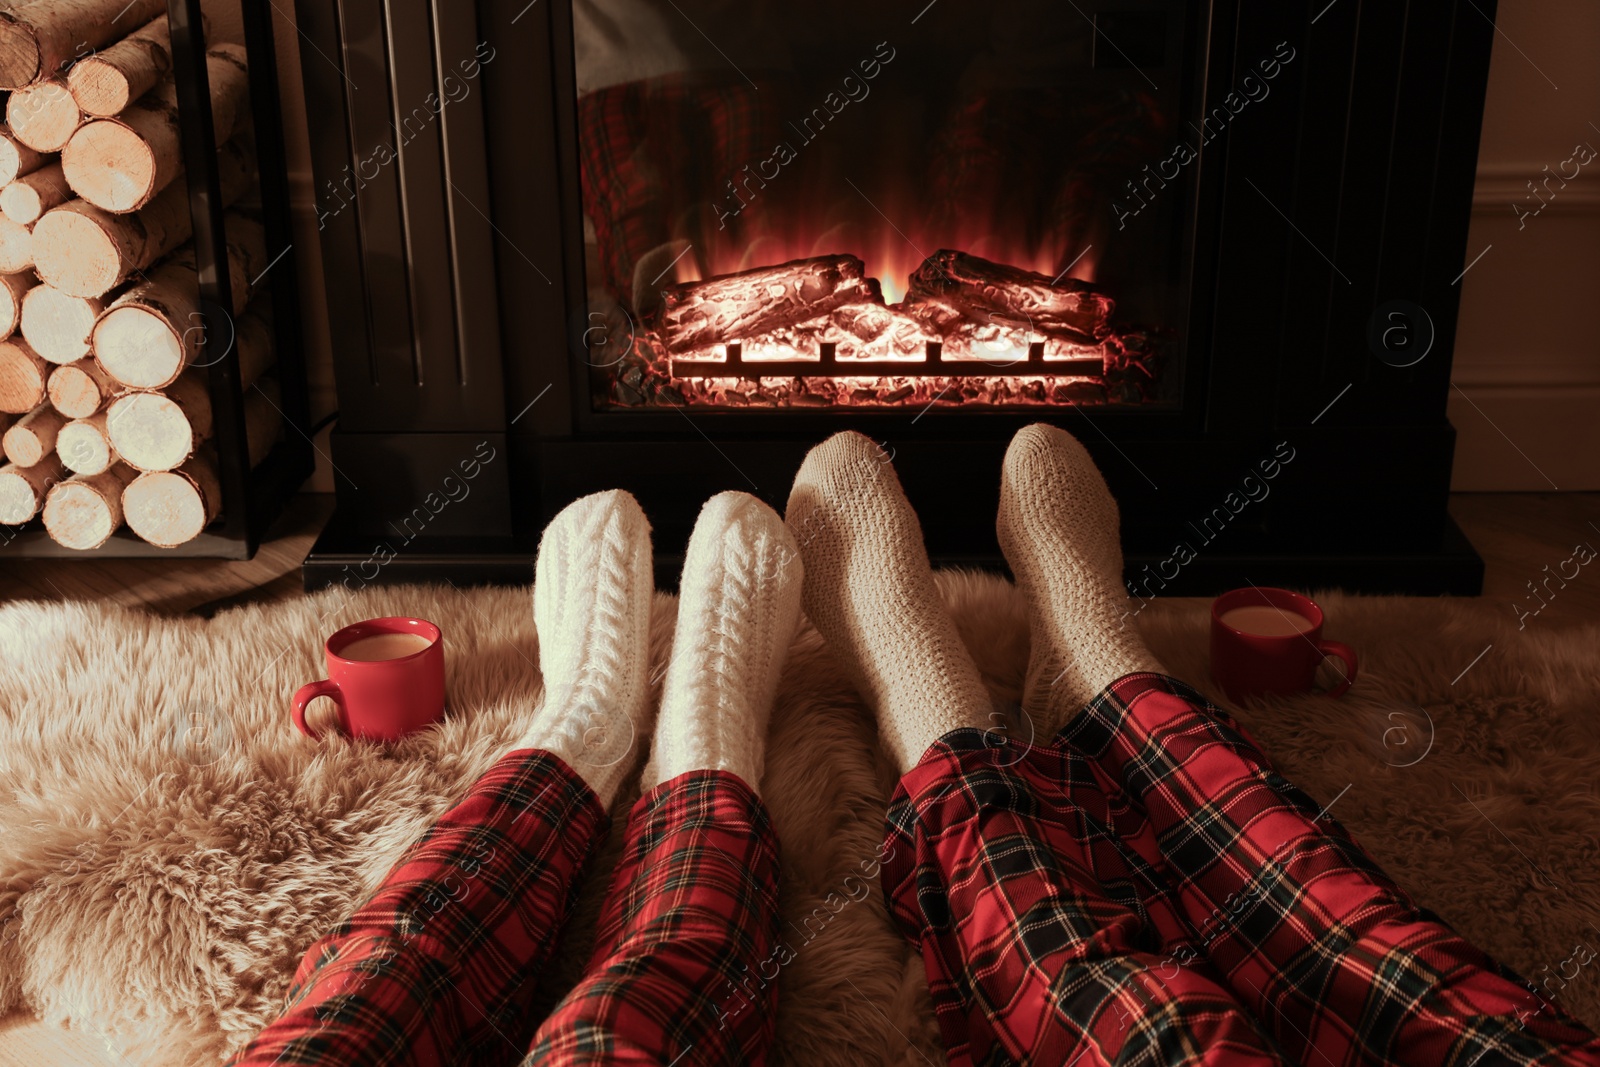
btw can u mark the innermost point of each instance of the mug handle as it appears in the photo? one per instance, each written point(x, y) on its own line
point(306, 694)
point(1348, 655)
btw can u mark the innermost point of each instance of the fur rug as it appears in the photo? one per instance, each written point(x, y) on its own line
point(171, 845)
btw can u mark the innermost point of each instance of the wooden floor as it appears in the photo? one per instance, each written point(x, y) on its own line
point(180, 585)
point(1519, 535)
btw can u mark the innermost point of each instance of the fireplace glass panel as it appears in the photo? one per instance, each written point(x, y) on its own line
point(957, 204)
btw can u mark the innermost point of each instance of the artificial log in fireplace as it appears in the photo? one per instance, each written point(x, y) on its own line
point(623, 243)
point(817, 332)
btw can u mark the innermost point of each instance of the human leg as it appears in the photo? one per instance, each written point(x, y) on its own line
point(1330, 954)
point(436, 963)
point(687, 957)
point(987, 867)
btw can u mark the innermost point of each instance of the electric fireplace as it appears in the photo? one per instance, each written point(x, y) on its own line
point(667, 245)
point(852, 223)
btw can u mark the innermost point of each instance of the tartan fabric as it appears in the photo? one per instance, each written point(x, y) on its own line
point(1308, 932)
point(1152, 845)
point(685, 966)
point(656, 155)
point(435, 967)
point(1044, 939)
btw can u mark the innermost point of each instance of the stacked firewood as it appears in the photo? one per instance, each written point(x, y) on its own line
point(104, 401)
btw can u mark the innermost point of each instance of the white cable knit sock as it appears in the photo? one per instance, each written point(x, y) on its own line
point(591, 603)
point(1058, 527)
point(869, 591)
point(738, 607)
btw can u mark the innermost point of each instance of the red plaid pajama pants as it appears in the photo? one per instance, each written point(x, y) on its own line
point(1147, 889)
point(439, 966)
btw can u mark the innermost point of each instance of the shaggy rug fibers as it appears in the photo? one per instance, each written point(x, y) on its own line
point(171, 845)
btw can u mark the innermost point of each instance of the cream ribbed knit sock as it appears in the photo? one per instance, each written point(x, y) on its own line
point(870, 593)
point(738, 607)
point(1058, 528)
point(591, 604)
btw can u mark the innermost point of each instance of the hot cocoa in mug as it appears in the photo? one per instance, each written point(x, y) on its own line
point(1269, 641)
point(385, 675)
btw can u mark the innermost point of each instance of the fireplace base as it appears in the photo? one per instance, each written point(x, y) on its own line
point(1395, 539)
point(1450, 568)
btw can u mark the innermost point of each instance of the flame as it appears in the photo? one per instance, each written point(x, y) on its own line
point(885, 234)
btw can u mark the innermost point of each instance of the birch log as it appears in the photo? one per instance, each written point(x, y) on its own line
point(105, 83)
point(120, 164)
point(23, 489)
point(39, 38)
point(13, 287)
point(33, 437)
point(150, 333)
point(86, 509)
point(16, 158)
point(24, 376)
point(58, 325)
point(31, 195)
point(43, 116)
point(87, 251)
point(159, 431)
point(80, 389)
point(84, 445)
point(171, 508)
point(16, 246)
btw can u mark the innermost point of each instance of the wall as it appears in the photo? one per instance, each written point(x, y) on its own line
point(1527, 365)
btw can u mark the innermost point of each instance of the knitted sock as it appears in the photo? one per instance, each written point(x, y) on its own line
point(1058, 528)
point(738, 607)
point(869, 591)
point(591, 604)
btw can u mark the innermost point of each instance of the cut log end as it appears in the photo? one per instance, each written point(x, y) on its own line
point(44, 115)
point(171, 508)
point(139, 346)
point(111, 166)
point(75, 254)
point(151, 431)
point(19, 54)
point(18, 500)
point(99, 87)
point(11, 157)
point(31, 195)
point(80, 389)
point(21, 203)
point(57, 324)
point(16, 158)
point(16, 247)
point(13, 287)
point(85, 510)
point(23, 377)
point(33, 437)
point(23, 489)
point(84, 448)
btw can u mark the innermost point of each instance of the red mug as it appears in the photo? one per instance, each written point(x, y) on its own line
point(1246, 663)
point(380, 699)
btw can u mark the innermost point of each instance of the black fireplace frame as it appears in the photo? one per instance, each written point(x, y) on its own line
point(1347, 190)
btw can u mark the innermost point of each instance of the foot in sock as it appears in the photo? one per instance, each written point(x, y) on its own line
point(591, 603)
point(870, 593)
point(738, 608)
point(1058, 528)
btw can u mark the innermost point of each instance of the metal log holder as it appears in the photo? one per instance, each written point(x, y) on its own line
point(251, 499)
